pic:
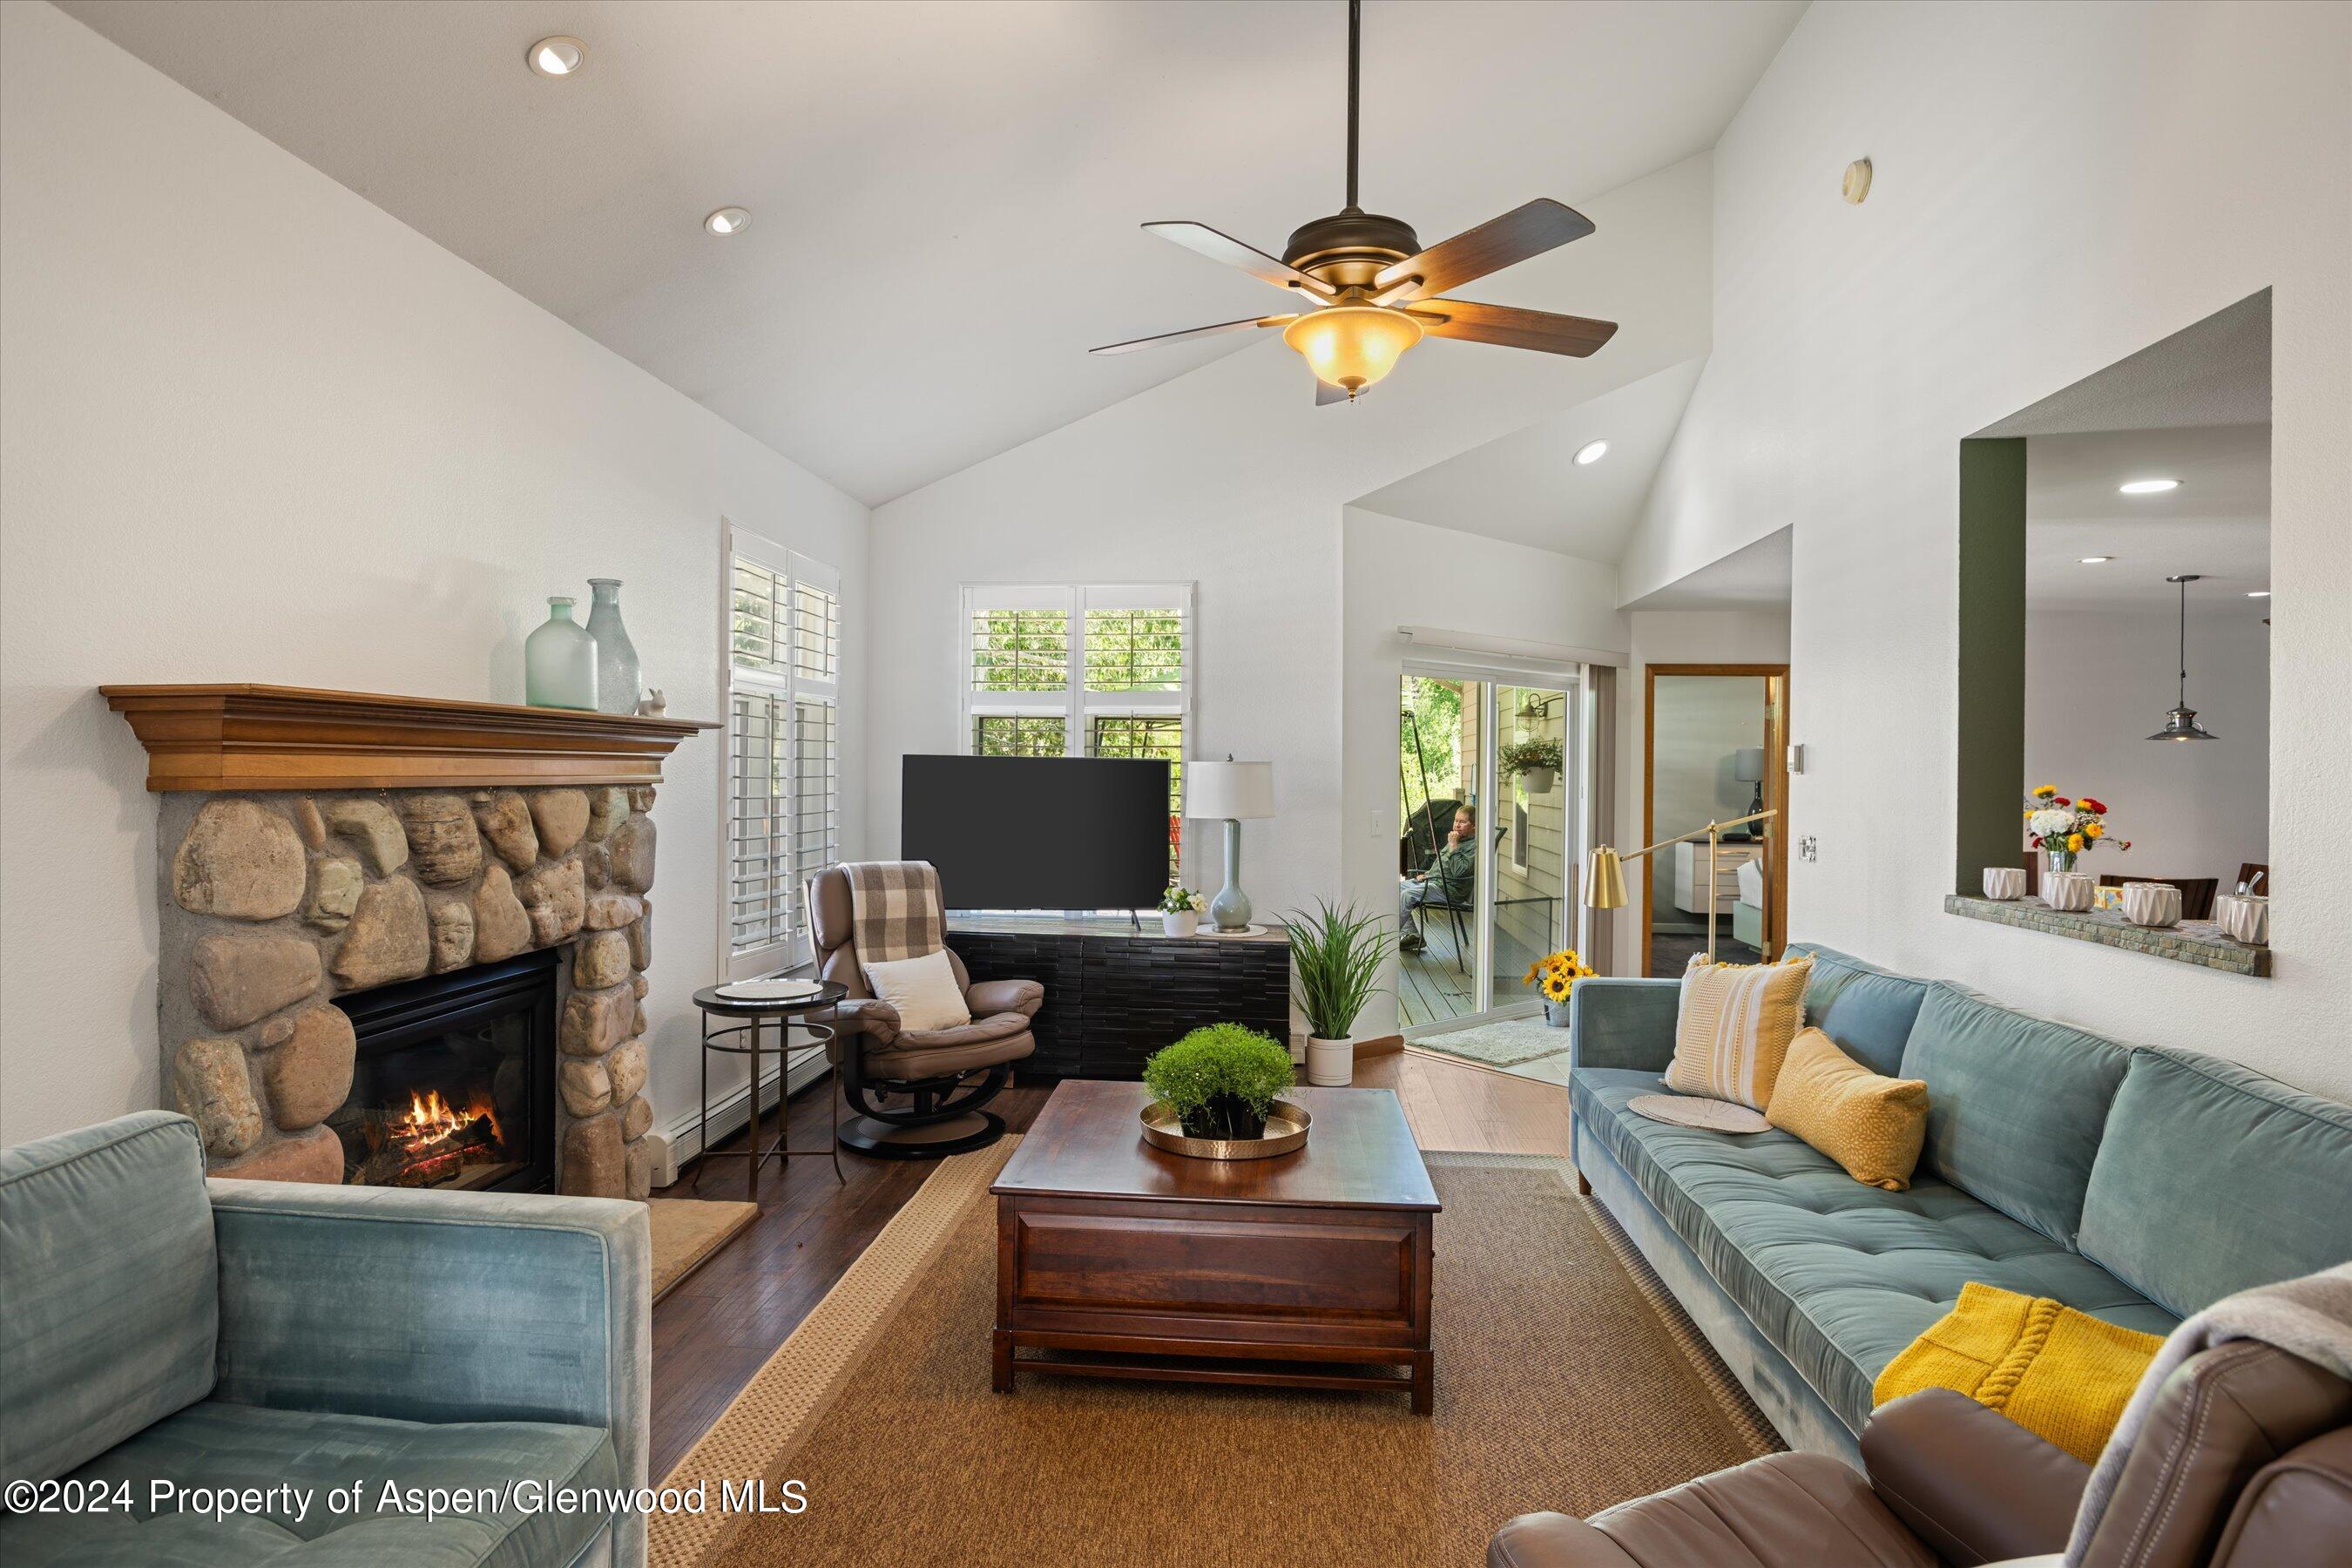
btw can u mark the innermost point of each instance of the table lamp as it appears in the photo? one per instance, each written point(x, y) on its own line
point(1747, 767)
point(1229, 792)
point(1604, 874)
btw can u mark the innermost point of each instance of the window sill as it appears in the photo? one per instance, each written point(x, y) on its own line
point(2198, 942)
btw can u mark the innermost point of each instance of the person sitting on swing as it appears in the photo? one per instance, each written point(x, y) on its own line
point(1448, 880)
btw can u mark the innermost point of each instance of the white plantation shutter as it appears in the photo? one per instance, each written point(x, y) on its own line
point(784, 774)
point(1080, 670)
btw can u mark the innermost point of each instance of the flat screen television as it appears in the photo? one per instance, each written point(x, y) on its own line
point(1038, 833)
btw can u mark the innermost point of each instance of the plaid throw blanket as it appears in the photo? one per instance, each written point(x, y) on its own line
point(896, 911)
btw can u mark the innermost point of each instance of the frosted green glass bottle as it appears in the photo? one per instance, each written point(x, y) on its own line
point(558, 662)
point(617, 655)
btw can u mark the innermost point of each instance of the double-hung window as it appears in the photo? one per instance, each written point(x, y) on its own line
point(1081, 670)
point(783, 748)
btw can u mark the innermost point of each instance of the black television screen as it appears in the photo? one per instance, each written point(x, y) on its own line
point(1038, 833)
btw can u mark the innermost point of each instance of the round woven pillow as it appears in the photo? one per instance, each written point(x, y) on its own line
point(1696, 1111)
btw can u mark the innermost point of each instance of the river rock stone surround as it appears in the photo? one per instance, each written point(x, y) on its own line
point(274, 904)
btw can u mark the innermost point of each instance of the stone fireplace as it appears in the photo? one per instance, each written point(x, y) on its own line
point(405, 943)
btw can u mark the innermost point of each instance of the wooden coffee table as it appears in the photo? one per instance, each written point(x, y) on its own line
point(1307, 1271)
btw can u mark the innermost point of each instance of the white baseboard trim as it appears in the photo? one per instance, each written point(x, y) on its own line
point(731, 1110)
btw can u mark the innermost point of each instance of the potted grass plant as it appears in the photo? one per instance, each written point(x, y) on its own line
point(1220, 1080)
point(1335, 964)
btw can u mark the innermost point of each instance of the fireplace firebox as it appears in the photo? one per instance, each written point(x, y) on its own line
point(454, 1084)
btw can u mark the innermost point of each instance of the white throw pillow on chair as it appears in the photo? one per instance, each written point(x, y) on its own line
point(923, 991)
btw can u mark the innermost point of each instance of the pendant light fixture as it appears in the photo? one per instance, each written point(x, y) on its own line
point(2181, 724)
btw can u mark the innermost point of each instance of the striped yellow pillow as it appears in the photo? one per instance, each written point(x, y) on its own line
point(1735, 1026)
point(1871, 1124)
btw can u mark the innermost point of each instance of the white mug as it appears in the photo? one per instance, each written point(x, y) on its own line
point(2004, 882)
point(2068, 891)
point(2151, 903)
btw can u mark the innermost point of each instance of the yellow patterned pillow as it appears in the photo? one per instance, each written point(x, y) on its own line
point(1734, 1028)
point(1871, 1124)
point(2061, 1374)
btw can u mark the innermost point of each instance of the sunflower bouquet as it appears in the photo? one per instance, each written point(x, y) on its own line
point(1556, 975)
point(2063, 828)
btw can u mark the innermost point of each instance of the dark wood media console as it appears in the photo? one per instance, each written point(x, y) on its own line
point(1114, 996)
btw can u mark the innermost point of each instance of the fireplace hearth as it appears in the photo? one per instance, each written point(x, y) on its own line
point(453, 1082)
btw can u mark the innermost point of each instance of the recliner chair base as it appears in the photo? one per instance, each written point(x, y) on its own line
point(925, 1140)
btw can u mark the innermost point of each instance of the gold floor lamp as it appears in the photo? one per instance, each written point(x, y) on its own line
point(1604, 875)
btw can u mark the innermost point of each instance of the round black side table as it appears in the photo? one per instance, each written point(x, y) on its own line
point(753, 1014)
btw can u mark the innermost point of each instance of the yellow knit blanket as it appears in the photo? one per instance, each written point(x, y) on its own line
point(2061, 1374)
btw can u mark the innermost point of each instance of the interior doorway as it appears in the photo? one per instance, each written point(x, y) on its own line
point(1488, 793)
point(1715, 749)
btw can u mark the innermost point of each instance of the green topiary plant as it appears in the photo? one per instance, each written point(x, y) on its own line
point(1220, 1080)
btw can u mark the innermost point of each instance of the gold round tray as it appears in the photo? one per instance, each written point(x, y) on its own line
point(1286, 1129)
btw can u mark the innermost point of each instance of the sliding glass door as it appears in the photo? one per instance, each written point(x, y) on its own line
point(1488, 830)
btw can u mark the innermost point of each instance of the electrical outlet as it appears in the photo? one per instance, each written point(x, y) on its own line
point(1808, 847)
point(1382, 824)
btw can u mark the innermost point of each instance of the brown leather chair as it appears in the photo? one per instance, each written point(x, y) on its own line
point(2245, 1462)
point(916, 1094)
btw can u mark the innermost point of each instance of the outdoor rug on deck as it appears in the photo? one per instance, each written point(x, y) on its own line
point(1504, 1043)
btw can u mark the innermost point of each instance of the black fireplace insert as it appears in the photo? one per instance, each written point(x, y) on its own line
point(455, 1082)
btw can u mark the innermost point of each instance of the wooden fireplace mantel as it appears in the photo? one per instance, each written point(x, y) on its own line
point(245, 737)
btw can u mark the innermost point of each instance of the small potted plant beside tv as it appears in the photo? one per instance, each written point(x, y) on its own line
point(1335, 962)
point(1536, 760)
point(1180, 911)
point(1220, 1080)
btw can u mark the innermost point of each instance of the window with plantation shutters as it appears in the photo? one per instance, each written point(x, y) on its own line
point(784, 752)
point(1081, 670)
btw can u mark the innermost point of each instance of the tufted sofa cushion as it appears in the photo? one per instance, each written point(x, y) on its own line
point(1838, 1275)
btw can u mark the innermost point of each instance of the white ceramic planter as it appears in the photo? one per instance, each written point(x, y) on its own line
point(2068, 891)
point(1180, 923)
point(1540, 779)
point(1330, 1064)
point(2004, 882)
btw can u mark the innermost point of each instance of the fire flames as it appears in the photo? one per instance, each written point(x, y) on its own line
point(431, 1120)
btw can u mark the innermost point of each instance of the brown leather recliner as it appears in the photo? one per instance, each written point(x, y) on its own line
point(916, 1094)
point(2245, 1462)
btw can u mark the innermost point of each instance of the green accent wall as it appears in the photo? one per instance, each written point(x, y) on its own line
point(1992, 659)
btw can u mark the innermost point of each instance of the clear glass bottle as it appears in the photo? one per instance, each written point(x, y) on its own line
point(617, 655)
point(559, 661)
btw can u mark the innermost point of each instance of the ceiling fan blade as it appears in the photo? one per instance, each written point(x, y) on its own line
point(1542, 225)
point(1327, 393)
point(1224, 248)
point(1134, 343)
point(1511, 327)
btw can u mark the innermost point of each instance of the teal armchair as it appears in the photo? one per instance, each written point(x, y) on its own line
point(340, 1350)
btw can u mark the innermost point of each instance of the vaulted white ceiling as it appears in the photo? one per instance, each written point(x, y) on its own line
point(945, 196)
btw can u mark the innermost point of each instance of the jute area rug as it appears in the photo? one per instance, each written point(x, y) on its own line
point(1564, 1381)
point(1504, 1043)
point(687, 1231)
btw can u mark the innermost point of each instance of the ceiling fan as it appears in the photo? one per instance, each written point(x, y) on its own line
point(1367, 289)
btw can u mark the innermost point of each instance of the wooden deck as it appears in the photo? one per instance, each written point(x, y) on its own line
point(1432, 987)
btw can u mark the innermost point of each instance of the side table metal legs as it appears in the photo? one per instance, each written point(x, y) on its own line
point(820, 1035)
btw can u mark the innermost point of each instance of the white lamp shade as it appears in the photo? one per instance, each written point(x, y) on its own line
point(1215, 790)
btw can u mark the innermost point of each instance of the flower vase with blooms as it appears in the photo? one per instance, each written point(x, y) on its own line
point(1556, 975)
point(2063, 828)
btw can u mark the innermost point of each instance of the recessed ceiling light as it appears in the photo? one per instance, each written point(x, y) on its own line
point(2259, 593)
point(558, 56)
point(2149, 487)
point(2096, 560)
point(726, 221)
point(1591, 452)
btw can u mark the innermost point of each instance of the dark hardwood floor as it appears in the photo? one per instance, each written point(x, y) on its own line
point(722, 1323)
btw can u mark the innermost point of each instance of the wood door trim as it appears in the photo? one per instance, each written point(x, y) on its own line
point(1776, 874)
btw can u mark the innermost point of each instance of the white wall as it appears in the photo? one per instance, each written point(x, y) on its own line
point(252, 428)
point(1395, 573)
point(2098, 683)
point(2032, 164)
point(1230, 477)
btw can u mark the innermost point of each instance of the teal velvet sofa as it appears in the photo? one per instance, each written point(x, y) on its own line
point(2137, 1185)
point(291, 1344)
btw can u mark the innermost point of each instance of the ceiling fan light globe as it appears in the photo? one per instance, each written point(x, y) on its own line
point(1352, 346)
